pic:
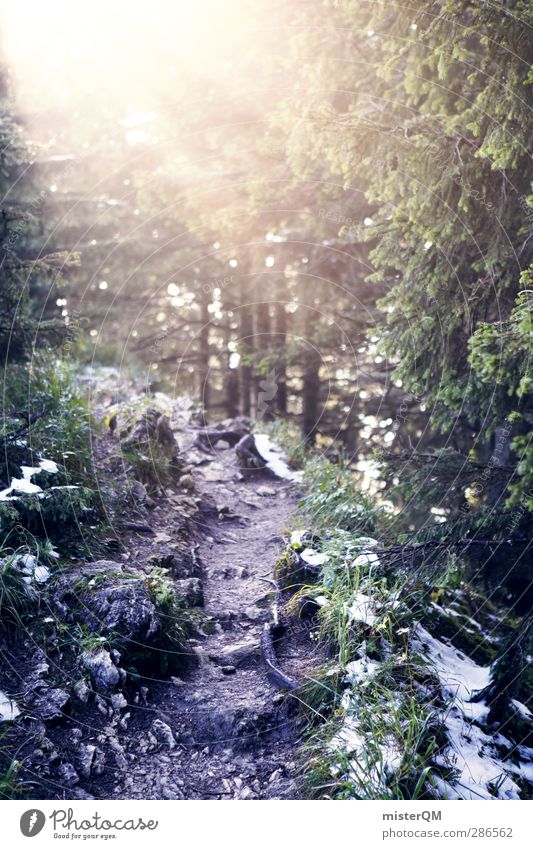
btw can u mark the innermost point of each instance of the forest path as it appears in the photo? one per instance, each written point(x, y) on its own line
point(236, 734)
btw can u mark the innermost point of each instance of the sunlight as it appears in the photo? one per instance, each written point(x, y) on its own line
point(119, 47)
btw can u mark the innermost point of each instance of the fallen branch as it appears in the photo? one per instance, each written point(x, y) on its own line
point(271, 630)
point(207, 439)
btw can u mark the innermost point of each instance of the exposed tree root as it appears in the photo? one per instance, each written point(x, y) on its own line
point(270, 631)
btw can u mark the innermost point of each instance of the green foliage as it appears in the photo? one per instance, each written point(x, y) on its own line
point(28, 314)
point(10, 787)
point(46, 419)
point(501, 354)
point(427, 107)
point(334, 498)
point(18, 595)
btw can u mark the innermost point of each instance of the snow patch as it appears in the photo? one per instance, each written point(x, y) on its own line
point(8, 708)
point(362, 609)
point(313, 558)
point(32, 570)
point(275, 459)
point(482, 773)
point(25, 484)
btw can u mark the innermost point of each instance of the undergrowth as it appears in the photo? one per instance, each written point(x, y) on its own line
point(375, 711)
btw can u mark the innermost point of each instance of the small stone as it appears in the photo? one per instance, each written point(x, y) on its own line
point(186, 482)
point(255, 614)
point(75, 736)
point(48, 703)
point(191, 591)
point(86, 761)
point(163, 734)
point(68, 775)
point(101, 705)
point(124, 721)
point(82, 691)
point(118, 702)
point(101, 668)
point(236, 654)
point(78, 793)
point(266, 491)
point(228, 670)
point(246, 793)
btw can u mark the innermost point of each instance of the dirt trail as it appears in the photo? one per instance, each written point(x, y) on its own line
point(236, 734)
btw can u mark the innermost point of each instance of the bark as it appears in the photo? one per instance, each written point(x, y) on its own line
point(266, 386)
point(280, 325)
point(230, 380)
point(203, 350)
point(245, 348)
point(310, 400)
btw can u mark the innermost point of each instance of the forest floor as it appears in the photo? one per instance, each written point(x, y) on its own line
point(237, 734)
point(140, 672)
point(218, 728)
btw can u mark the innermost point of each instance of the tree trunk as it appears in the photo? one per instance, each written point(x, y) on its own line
point(266, 386)
point(280, 325)
point(311, 389)
point(245, 347)
point(203, 350)
point(230, 380)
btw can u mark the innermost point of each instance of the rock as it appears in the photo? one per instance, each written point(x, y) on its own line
point(124, 721)
point(235, 654)
point(90, 760)
point(115, 656)
point(153, 428)
point(118, 702)
point(108, 601)
point(67, 775)
point(228, 670)
point(266, 491)
point(101, 705)
point(184, 563)
point(78, 793)
point(163, 734)
point(82, 691)
point(186, 482)
point(118, 751)
point(191, 591)
point(48, 703)
point(104, 673)
point(255, 614)
point(161, 536)
point(75, 736)
point(138, 492)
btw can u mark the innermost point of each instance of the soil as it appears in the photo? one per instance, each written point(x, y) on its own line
point(237, 733)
